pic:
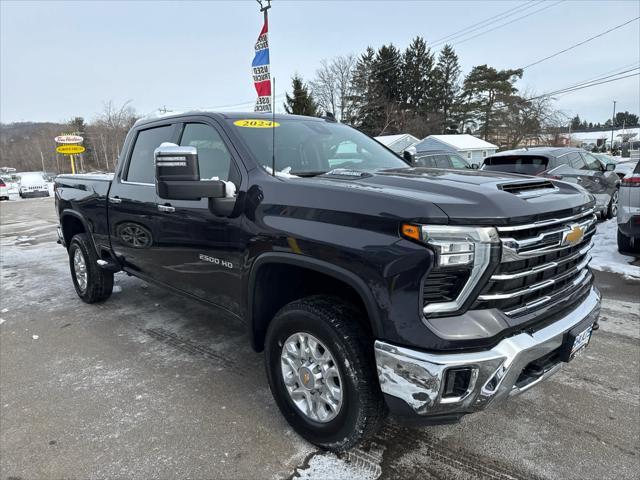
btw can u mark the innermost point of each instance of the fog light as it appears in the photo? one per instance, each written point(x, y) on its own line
point(456, 383)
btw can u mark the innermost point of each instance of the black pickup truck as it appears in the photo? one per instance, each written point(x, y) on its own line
point(372, 286)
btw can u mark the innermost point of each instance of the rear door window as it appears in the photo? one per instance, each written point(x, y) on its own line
point(442, 161)
point(141, 163)
point(523, 164)
point(428, 161)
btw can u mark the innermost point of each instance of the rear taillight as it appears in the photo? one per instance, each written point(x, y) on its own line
point(633, 181)
point(2, 184)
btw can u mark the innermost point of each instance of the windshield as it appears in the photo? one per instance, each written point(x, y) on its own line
point(526, 165)
point(311, 147)
point(31, 177)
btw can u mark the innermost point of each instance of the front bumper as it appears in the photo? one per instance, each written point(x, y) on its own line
point(34, 193)
point(418, 378)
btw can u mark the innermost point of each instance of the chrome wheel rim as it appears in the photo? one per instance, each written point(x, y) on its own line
point(311, 377)
point(614, 204)
point(80, 269)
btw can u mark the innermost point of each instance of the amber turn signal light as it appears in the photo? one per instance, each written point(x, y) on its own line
point(410, 231)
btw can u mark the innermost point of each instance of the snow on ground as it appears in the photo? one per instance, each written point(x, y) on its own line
point(605, 256)
point(354, 465)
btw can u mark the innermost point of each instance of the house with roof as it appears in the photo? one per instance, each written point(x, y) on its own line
point(473, 149)
point(398, 143)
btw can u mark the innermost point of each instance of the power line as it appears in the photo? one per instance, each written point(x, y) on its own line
point(507, 23)
point(609, 71)
point(488, 21)
point(572, 88)
point(580, 43)
point(436, 44)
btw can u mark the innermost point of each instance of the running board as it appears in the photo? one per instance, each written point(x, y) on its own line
point(109, 266)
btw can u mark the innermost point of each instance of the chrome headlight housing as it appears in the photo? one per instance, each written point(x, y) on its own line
point(456, 246)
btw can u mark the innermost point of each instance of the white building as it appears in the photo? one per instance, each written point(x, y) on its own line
point(398, 143)
point(473, 149)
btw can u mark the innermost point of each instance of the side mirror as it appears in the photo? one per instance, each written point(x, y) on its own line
point(178, 175)
point(610, 167)
point(409, 157)
point(474, 166)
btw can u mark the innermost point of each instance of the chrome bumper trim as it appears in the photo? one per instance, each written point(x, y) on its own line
point(418, 377)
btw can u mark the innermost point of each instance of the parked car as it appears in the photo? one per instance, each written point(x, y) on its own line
point(440, 159)
point(33, 184)
point(572, 165)
point(4, 190)
point(629, 213)
point(365, 280)
point(621, 167)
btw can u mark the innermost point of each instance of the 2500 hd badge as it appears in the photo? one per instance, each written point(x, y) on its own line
point(373, 286)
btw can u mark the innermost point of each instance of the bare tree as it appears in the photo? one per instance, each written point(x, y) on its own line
point(332, 87)
point(527, 117)
point(110, 129)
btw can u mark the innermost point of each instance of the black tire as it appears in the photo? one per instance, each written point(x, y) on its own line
point(335, 323)
point(99, 284)
point(612, 208)
point(625, 245)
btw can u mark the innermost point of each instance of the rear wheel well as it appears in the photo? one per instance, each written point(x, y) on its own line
point(278, 284)
point(71, 226)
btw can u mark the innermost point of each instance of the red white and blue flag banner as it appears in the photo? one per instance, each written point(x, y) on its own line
point(261, 72)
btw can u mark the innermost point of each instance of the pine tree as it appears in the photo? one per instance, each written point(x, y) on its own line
point(300, 102)
point(575, 123)
point(487, 88)
point(446, 85)
point(363, 99)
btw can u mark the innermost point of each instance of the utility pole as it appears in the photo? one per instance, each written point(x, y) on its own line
point(42, 158)
point(613, 121)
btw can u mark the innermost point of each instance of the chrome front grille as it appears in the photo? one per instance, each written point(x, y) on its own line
point(542, 264)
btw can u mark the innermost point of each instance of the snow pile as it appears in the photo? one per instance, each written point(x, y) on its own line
point(285, 172)
point(605, 256)
point(329, 466)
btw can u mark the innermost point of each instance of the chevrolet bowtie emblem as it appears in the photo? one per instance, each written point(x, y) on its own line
point(573, 236)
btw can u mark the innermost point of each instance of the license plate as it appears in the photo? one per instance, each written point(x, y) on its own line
point(581, 341)
point(575, 341)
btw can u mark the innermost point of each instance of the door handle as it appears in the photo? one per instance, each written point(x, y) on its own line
point(115, 200)
point(166, 208)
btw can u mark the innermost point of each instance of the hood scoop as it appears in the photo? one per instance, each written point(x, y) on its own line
point(347, 173)
point(529, 188)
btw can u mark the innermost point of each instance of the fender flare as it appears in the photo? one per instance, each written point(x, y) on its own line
point(320, 266)
point(67, 212)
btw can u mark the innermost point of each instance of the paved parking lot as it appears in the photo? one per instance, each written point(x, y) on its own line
point(149, 384)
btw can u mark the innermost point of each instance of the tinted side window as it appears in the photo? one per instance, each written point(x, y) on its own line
point(214, 159)
point(141, 164)
point(442, 161)
point(427, 161)
point(573, 159)
point(592, 162)
point(457, 162)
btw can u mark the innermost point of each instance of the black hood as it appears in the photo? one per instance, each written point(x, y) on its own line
point(474, 196)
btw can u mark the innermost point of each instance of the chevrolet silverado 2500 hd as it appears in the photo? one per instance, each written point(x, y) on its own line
point(373, 287)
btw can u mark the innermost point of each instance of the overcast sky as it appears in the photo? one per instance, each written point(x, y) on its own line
point(64, 59)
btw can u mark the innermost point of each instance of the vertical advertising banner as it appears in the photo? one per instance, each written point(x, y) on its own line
point(261, 73)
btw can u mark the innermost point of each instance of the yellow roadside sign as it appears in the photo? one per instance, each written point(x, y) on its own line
point(70, 149)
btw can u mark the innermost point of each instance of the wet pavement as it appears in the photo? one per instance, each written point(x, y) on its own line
point(150, 384)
